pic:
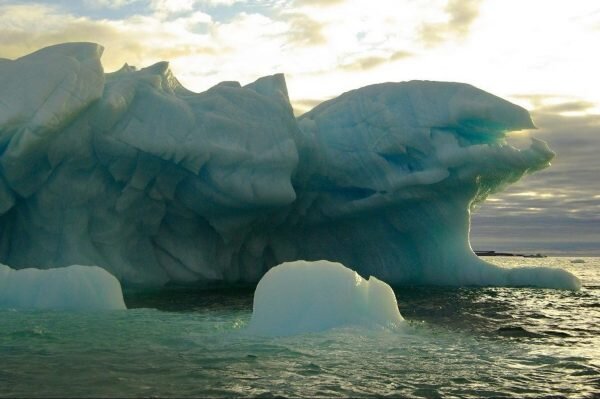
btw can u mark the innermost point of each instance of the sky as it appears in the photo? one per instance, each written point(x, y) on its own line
point(540, 54)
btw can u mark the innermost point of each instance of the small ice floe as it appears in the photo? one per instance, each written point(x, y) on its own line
point(66, 288)
point(300, 297)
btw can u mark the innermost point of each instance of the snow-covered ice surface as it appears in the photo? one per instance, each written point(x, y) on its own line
point(132, 172)
point(299, 297)
point(66, 288)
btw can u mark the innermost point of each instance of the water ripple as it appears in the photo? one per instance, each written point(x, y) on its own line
point(457, 342)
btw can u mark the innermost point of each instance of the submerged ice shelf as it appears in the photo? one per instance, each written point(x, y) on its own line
point(132, 172)
point(300, 297)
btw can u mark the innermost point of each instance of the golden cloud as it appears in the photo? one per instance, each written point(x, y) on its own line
point(461, 14)
point(366, 63)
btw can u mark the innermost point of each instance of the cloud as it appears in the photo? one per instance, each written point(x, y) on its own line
point(172, 6)
point(219, 2)
point(139, 40)
point(370, 62)
point(302, 106)
point(536, 234)
point(324, 38)
point(113, 4)
point(364, 63)
point(318, 3)
point(460, 14)
point(569, 106)
point(590, 19)
point(554, 104)
point(303, 30)
point(163, 8)
point(180, 6)
point(26, 28)
point(555, 210)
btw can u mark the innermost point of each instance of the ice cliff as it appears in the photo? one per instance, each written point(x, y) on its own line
point(132, 172)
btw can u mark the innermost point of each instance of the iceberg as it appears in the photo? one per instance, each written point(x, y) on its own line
point(301, 297)
point(160, 185)
point(67, 288)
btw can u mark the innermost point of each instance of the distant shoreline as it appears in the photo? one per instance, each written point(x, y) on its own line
point(494, 253)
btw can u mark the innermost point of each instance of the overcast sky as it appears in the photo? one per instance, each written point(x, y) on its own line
point(543, 55)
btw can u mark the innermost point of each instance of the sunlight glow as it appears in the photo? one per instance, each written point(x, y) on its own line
point(538, 53)
point(535, 194)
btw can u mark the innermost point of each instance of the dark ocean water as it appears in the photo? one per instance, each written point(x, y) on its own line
point(467, 342)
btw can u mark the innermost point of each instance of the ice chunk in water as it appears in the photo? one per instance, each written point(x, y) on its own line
point(299, 297)
point(67, 288)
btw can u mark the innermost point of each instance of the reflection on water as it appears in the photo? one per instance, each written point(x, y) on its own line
point(457, 341)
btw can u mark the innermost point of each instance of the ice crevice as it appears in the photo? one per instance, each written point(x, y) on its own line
point(159, 185)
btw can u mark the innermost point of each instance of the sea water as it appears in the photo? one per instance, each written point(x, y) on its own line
point(468, 342)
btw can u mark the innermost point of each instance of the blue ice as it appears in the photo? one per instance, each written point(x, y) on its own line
point(158, 185)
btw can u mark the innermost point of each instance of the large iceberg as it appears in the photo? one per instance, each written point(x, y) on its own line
point(300, 297)
point(133, 172)
point(66, 288)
